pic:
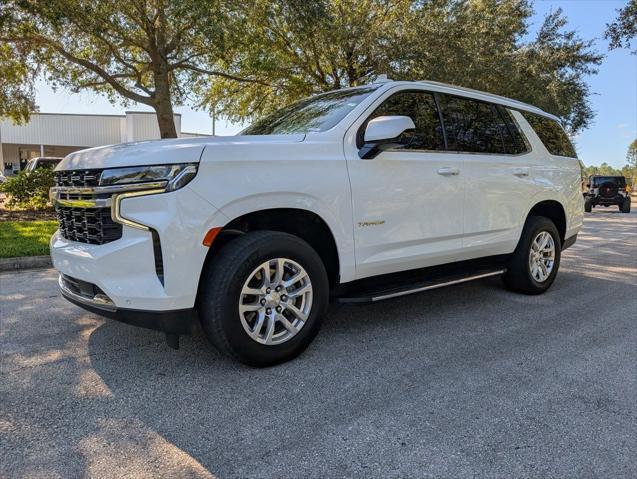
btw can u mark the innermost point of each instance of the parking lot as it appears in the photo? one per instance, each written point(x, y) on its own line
point(467, 381)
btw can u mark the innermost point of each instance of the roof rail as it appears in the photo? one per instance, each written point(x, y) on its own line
point(503, 99)
point(383, 78)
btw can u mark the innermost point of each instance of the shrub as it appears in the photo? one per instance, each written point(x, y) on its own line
point(29, 190)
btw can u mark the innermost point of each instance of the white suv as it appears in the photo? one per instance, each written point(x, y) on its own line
point(355, 195)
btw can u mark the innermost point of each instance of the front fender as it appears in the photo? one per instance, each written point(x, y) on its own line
point(331, 214)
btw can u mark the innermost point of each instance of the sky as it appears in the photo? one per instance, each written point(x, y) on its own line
point(614, 88)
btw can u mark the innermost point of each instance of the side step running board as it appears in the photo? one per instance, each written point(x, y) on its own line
point(415, 287)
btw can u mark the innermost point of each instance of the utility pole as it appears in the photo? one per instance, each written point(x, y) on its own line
point(214, 118)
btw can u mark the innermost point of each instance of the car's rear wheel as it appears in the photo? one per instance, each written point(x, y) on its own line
point(588, 205)
point(624, 207)
point(262, 297)
point(536, 259)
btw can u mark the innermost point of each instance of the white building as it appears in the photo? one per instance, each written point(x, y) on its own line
point(58, 134)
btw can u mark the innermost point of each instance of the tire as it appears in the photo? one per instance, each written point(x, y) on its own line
point(519, 277)
point(220, 294)
point(588, 205)
point(624, 207)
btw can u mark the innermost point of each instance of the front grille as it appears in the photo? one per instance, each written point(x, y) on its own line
point(88, 225)
point(78, 178)
point(91, 225)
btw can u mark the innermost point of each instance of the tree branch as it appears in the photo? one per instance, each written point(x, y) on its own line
point(188, 66)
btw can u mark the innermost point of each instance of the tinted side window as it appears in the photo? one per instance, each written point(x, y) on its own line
point(471, 126)
point(421, 108)
point(515, 142)
point(552, 135)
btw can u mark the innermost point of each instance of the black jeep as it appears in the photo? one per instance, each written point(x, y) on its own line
point(606, 191)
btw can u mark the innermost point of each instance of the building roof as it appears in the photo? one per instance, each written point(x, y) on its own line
point(83, 130)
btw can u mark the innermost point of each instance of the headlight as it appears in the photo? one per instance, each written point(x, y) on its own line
point(172, 176)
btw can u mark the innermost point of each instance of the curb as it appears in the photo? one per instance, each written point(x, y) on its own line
point(25, 262)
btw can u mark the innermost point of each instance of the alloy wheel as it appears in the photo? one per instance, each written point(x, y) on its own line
point(542, 256)
point(276, 301)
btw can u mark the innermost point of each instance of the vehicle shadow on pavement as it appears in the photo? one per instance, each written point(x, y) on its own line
point(469, 379)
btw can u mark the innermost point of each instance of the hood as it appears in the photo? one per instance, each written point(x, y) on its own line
point(161, 152)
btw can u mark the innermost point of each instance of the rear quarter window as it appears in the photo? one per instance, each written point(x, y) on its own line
point(515, 142)
point(552, 135)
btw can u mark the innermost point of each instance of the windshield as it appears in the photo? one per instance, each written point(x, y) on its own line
point(48, 163)
point(315, 114)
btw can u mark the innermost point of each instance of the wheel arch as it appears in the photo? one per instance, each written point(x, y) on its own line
point(553, 210)
point(303, 223)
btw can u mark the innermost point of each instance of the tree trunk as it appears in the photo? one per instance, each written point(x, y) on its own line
point(165, 119)
point(163, 102)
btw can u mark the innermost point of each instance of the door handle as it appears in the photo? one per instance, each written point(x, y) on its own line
point(448, 171)
point(521, 172)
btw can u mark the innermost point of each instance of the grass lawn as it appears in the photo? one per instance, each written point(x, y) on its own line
point(25, 238)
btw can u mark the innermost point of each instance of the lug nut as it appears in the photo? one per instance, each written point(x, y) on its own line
point(268, 311)
point(262, 302)
point(284, 298)
point(277, 289)
point(268, 290)
point(279, 309)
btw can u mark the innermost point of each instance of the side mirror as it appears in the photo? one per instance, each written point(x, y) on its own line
point(382, 132)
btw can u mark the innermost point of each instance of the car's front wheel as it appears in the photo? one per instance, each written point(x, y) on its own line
point(588, 204)
point(262, 297)
point(536, 259)
point(624, 206)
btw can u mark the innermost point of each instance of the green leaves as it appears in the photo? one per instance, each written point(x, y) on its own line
point(246, 58)
point(146, 51)
point(623, 30)
point(17, 84)
point(29, 190)
point(300, 48)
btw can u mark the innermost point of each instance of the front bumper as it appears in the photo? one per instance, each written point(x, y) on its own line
point(126, 270)
point(171, 322)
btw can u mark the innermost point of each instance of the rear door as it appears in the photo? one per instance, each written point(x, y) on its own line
point(407, 201)
point(497, 170)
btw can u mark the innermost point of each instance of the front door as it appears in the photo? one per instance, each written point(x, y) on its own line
point(408, 201)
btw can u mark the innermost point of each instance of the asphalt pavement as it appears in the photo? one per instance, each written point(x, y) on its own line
point(466, 381)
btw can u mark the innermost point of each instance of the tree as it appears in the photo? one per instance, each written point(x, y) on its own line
point(17, 83)
point(602, 170)
point(300, 48)
point(631, 155)
point(630, 170)
point(148, 51)
point(624, 29)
